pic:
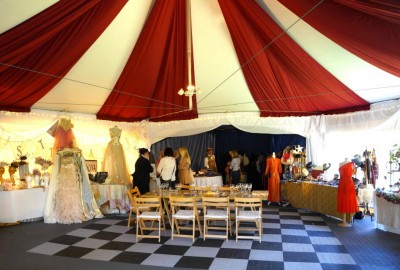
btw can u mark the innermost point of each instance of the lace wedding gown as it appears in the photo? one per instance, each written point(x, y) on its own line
point(114, 160)
point(70, 198)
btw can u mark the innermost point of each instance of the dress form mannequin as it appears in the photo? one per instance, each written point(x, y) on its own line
point(347, 200)
point(273, 171)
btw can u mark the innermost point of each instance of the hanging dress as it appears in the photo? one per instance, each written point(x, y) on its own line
point(114, 160)
point(346, 198)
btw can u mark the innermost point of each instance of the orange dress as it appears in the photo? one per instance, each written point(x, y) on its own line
point(347, 199)
point(274, 168)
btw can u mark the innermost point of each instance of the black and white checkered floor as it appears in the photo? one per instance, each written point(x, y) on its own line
point(292, 239)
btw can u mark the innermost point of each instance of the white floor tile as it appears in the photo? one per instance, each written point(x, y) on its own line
point(295, 247)
point(101, 254)
point(231, 264)
point(91, 243)
point(161, 260)
point(48, 248)
point(337, 258)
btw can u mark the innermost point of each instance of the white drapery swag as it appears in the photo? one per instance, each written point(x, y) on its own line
point(92, 136)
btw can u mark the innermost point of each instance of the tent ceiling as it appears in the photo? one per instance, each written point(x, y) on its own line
point(217, 69)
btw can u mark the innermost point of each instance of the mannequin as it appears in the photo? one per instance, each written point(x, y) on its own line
point(346, 199)
point(114, 160)
point(273, 171)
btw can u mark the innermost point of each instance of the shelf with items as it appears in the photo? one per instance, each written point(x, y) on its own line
point(393, 166)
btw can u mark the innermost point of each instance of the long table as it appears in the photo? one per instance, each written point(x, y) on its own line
point(22, 205)
point(314, 197)
point(197, 195)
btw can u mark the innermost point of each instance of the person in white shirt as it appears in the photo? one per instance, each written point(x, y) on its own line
point(167, 167)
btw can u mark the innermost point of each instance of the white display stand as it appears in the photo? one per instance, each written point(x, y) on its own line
point(22, 205)
point(387, 215)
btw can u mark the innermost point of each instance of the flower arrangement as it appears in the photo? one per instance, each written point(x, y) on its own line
point(36, 172)
point(393, 197)
point(44, 163)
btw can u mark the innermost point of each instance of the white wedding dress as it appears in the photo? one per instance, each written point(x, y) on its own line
point(70, 198)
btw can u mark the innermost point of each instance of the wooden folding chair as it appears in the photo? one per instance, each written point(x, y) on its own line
point(248, 210)
point(149, 209)
point(216, 209)
point(184, 209)
point(132, 193)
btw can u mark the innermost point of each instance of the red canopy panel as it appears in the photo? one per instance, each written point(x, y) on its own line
point(283, 79)
point(37, 54)
point(369, 29)
point(156, 70)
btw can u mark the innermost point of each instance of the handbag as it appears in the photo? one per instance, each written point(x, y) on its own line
point(100, 177)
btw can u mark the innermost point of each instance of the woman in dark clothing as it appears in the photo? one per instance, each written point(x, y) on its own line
point(143, 168)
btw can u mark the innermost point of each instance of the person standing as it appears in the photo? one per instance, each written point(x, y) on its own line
point(143, 168)
point(167, 167)
point(209, 160)
point(272, 172)
point(184, 167)
point(234, 167)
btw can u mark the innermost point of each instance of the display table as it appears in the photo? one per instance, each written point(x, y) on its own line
point(314, 197)
point(22, 205)
point(208, 180)
point(387, 215)
point(114, 194)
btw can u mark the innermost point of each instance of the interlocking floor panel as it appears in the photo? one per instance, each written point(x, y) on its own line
point(292, 239)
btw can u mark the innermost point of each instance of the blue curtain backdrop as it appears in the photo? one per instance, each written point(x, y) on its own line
point(227, 138)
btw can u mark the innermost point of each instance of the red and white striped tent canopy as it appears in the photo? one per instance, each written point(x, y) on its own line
point(126, 60)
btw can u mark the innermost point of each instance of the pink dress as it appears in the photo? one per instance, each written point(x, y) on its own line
point(346, 198)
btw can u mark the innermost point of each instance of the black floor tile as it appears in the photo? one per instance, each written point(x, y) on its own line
point(320, 234)
point(233, 253)
point(313, 222)
point(172, 250)
point(327, 266)
point(271, 231)
point(115, 245)
point(95, 226)
point(264, 265)
point(267, 246)
point(67, 239)
point(285, 217)
point(105, 235)
point(296, 239)
point(300, 257)
point(293, 226)
point(208, 243)
point(154, 240)
point(131, 257)
point(74, 252)
point(330, 248)
point(194, 262)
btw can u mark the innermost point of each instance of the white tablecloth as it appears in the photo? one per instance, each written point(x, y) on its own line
point(208, 180)
point(111, 193)
point(387, 215)
point(21, 205)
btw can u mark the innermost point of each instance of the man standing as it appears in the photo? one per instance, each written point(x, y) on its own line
point(209, 160)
